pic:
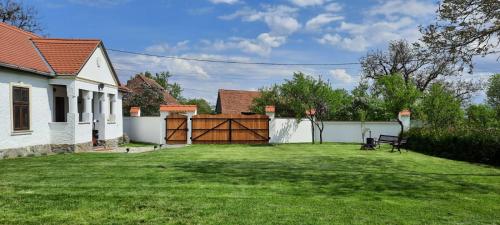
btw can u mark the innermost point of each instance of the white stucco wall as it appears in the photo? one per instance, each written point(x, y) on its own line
point(41, 115)
point(350, 131)
point(97, 69)
point(288, 130)
point(144, 129)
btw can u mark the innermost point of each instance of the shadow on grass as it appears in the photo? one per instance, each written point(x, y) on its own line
point(335, 177)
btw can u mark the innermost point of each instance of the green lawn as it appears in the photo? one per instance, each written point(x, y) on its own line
point(237, 184)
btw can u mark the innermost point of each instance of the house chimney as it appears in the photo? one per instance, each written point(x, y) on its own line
point(135, 111)
point(270, 111)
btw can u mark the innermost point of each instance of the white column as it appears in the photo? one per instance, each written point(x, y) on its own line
point(87, 106)
point(163, 127)
point(189, 126)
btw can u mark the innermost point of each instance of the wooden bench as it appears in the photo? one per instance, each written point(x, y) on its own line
point(386, 139)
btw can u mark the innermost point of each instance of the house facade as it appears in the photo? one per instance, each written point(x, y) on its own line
point(58, 95)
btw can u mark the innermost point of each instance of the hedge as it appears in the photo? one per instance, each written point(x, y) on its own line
point(467, 144)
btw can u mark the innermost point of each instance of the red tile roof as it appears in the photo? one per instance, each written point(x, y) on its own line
point(178, 108)
point(133, 84)
point(66, 56)
point(17, 50)
point(26, 51)
point(235, 101)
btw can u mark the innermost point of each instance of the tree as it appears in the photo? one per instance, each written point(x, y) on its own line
point(397, 95)
point(493, 92)
point(440, 108)
point(19, 15)
point(481, 116)
point(149, 99)
point(162, 78)
point(309, 98)
point(272, 96)
point(465, 28)
point(416, 64)
point(202, 104)
point(367, 106)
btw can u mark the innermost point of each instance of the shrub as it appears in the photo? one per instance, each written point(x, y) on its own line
point(467, 144)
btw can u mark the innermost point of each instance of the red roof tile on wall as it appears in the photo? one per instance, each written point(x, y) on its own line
point(17, 50)
point(66, 56)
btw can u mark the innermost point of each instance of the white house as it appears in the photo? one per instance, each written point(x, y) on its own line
point(57, 95)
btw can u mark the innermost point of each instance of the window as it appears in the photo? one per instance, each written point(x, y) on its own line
point(21, 108)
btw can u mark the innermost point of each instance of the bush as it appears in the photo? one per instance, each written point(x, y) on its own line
point(467, 144)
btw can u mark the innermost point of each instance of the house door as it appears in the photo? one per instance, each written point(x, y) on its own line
point(60, 110)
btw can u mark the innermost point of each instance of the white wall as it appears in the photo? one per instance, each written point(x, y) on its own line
point(350, 131)
point(287, 130)
point(144, 129)
point(41, 115)
point(97, 69)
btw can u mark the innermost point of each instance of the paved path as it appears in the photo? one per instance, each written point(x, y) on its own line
point(136, 149)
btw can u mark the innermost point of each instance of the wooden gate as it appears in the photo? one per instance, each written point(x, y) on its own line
point(229, 128)
point(176, 129)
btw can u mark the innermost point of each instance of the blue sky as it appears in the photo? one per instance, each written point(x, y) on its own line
point(287, 31)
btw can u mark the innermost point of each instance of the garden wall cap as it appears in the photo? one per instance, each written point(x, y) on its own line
point(135, 109)
point(405, 112)
point(270, 109)
point(178, 108)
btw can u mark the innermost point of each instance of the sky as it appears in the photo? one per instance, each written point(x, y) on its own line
point(280, 31)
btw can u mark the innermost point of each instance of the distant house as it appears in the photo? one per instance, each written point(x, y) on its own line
point(136, 85)
point(58, 95)
point(235, 101)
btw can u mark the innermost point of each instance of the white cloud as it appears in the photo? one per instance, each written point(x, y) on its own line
point(333, 7)
point(356, 44)
point(320, 20)
point(341, 75)
point(280, 19)
point(166, 48)
point(305, 3)
point(262, 45)
point(224, 1)
point(411, 8)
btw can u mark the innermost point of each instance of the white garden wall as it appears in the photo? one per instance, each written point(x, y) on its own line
point(144, 129)
point(288, 130)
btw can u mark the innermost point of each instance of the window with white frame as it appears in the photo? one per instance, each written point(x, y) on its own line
point(21, 108)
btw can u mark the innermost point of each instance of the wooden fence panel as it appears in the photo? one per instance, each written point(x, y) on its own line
point(176, 129)
point(229, 128)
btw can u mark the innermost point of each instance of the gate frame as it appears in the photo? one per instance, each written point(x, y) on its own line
point(186, 110)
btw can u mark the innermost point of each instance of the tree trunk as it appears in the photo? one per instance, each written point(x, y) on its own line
point(312, 127)
point(400, 137)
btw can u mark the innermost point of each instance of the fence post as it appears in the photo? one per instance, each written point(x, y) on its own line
point(230, 130)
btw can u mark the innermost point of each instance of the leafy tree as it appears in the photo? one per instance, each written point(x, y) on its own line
point(202, 104)
point(272, 96)
point(367, 106)
point(162, 78)
point(397, 95)
point(465, 28)
point(309, 98)
point(19, 15)
point(493, 93)
point(481, 116)
point(416, 64)
point(149, 100)
point(441, 109)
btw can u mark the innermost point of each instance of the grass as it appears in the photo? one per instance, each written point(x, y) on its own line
point(137, 144)
point(237, 184)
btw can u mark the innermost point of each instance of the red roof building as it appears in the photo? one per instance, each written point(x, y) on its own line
point(235, 101)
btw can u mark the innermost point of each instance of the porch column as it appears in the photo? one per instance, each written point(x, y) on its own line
point(103, 115)
point(72, 93)
point(87, 106)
